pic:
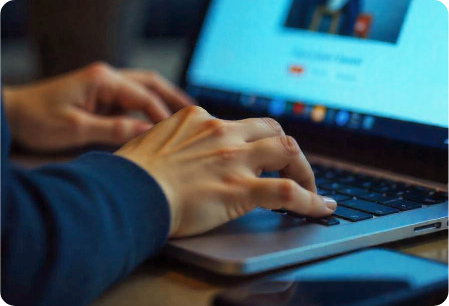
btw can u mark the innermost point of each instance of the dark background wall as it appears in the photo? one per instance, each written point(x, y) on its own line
point(49, 37)
point(14, 17)
point(162, 17)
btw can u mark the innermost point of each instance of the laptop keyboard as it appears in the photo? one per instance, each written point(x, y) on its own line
point(362, 197)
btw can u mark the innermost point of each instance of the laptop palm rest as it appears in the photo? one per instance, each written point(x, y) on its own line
point(264, 240)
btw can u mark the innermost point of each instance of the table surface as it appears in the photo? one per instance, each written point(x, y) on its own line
point(163, 281)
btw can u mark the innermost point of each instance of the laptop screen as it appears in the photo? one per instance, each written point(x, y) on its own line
point(377, 67)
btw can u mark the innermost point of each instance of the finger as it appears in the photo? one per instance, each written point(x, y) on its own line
point(111, 87)
point(112, 130)
point(258, 128)
point(283, 154)
point(175, 97)
point(133, 96)
point(285, 193)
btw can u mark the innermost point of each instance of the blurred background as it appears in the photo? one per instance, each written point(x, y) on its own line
point(44, 38)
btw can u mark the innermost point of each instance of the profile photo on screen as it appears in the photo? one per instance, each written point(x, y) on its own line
point(379, 20)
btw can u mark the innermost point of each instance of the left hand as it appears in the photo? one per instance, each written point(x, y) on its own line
point(89, 106)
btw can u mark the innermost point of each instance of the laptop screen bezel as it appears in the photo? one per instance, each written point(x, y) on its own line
point(395, 156)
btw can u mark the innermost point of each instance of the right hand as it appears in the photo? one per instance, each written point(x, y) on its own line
point(209, 169)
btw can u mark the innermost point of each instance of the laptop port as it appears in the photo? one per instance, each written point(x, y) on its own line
point(428, 227)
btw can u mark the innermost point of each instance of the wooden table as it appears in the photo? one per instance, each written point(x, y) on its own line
point(162, 281)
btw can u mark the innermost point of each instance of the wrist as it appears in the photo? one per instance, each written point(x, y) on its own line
point(174, 219)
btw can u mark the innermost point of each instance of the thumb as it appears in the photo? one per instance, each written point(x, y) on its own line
point(113, 130)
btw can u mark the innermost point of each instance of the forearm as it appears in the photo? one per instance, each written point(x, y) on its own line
point(73, 230)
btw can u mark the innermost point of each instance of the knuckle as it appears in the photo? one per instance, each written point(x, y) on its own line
point(287, 189)
point(154, 74)
point(237, 205)
point(76, 126)
point(232, 179)
point(290, 145)
point(241, 195)
point(228, 154)
point(98, 70)
point(119, 130)
point(153, 79)
point(75, 121)
point(242, 198)
point(192, 110)
point(274, 125)
point(218, 126)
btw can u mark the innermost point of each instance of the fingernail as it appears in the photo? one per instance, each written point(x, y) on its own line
point(330, 203)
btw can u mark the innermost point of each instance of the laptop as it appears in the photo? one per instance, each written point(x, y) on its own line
point(363, 86)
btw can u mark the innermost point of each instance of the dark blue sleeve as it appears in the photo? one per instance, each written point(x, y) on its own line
point(69, 231)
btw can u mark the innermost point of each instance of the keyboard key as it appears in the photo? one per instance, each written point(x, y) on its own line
point(295, 215)
point(347, 179)
point(340, 173)
point(280, 211)
point(424, 198)
point(272, 174)
point(383, 189)
point(403, 204)
point(323, 192)
point(333, 186)
point(441, 194)
point(329, 221)
point(382, 183)
point(402, 186)
point(369, 207)
point(374, 197)
point(320, 181)
point(329, 175)
point(365, 177)
point(339, 197)
point(352, 191)
point(351, 215)
point(319, 168)
point(419, 190)
point(363, 183)
point(397, 190)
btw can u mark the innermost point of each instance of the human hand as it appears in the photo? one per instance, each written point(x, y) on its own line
point(89, 106)
point(209, 169)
